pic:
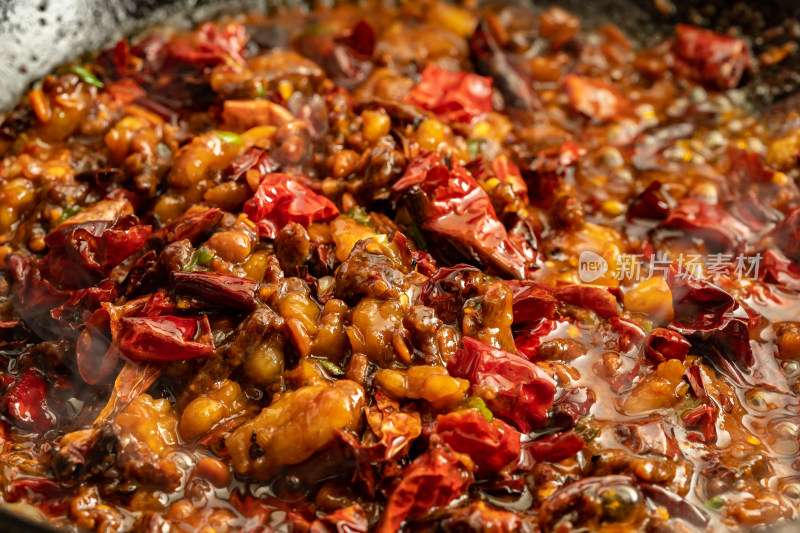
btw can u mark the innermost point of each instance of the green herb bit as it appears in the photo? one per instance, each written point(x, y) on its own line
point(589, 434)
point(191, 264)
point(360, 215)
point(331, 368)
point(163, 150)
point(714, 503)
point(475, 147)
point(473, 402)
point(230, 137)
point(68, 212)
point(204, 255)
point(200, 257)
point(86, 76)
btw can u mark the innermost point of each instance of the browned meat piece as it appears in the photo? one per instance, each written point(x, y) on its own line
point(82, 454)
point(374, 269)
point(247, 341)
point(296, 425)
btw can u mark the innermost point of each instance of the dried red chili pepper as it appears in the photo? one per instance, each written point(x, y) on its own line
point(677, 506)
point(425, 263)
point(221, 289)
point(533, 302)
point(165, 338)
point(133, 380)
point(650, 204)
point(492, 446)
point(44, 493)
point(431, 481)
point(280, 200)
point(350, 61)
point(146, 56)
point(598, 299)
point(502, 168)
point(82, 254)
point(710, 222)
point(141, 330)
point(82, 303)
point(556, 447)
point(507, 171)
point(522, 392)
point(786, 235)
point(547, 170)
point(573, 405)
point(781, 270)
point(489, 59)
point(663, 344)
point(346, 57)
point(360, 39)
point(261, 510)
point(26, 403)
point(33, 295)
point(396, 429)
point(125, 91)
point(711, 317)
point(193, 225)
point(530, 338)
point(95, 357)
point(175, 71)
point(594, 97)
point(625, 375)
point(455, 96)
point(704, 418)
point(210, 46)
point(350, 519)
point(748, 167)
point(695, 379)
point(453, 209)
point(715, 59)
point(141, 274)
point(159, 304)
point(623, 335)
point(254, 158)
point(698, 304)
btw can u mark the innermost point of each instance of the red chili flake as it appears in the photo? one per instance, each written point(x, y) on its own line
point(280, 200)
point(457, 214)
point(524, 392)
point(712, 58)
point(26, 402)
point(548, 169)
point(664, 344)
point(165, 338)
point(492, 446)
point(432, 481)
point(704, 418)
point(556, 447)
point(594, 97)
point(598, 299)
point(456, 96)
